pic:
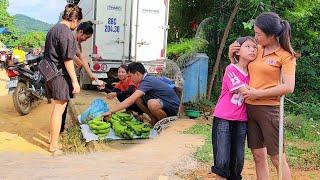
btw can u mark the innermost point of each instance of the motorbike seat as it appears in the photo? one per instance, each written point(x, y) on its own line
point(22, 68)
point(34, 59)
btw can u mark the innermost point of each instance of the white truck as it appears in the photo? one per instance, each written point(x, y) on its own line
point(124, 31)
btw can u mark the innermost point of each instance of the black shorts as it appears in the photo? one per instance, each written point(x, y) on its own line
point(60, 88)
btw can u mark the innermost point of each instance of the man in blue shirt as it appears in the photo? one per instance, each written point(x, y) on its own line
point(153, 96)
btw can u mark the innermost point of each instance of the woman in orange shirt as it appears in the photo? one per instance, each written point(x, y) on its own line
point(276, 60)
point(123, 89)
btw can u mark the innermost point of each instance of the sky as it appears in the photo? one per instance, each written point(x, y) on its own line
point(45, 10)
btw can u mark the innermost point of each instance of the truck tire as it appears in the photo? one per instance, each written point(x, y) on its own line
point(21, 101)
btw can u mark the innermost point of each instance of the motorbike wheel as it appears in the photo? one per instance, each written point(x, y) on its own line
point(21, 101)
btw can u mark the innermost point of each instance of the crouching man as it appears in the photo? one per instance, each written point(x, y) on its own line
point(153, 96)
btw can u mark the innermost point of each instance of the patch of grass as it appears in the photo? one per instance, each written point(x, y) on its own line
point(201, 129)
point(72, 141)
point(303, 158)
point(313, 176)
point(302, 137)
point(204, 153)
point(203, 105)
point(301, 127)
point(247, 153)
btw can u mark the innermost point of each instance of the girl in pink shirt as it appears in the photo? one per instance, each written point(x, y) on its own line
point(230, 116)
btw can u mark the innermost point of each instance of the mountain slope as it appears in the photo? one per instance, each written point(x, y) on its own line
point(27, 24)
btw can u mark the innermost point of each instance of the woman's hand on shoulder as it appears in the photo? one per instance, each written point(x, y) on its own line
point(234, 47)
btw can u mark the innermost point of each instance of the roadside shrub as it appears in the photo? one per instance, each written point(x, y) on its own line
point(186, 46)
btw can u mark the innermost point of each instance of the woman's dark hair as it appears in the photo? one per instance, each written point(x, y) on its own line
point(86, 27)
point(72, 12)
point(271, 24)
point(136, 67)
point(241, 40)
point(125, 67)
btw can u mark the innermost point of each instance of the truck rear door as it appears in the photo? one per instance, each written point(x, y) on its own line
point(111, 32)
point(151, 30)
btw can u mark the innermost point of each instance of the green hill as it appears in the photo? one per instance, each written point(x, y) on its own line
point(27, 24)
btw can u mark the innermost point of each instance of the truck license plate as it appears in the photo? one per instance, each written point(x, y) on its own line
point(154, 68)
point(12, 83)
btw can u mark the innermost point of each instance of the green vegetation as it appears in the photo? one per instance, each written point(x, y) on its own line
point(204, 153)
point(302, 142)
point(211, 18)
point(25, 31)
point(186, 46)
point(303, 136)
point(27, 24)
point(31, 40)
point(72, 141)
point(203, 105)
point(6, 21)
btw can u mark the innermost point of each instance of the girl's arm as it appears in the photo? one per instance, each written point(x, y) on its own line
point(286, 87)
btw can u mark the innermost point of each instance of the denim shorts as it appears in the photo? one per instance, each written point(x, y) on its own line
point(228, 142)
point(169, 109)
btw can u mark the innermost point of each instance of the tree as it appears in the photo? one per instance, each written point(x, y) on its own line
point(31, 40)
point(303, 16)
point(222, 44)
point(6, 21)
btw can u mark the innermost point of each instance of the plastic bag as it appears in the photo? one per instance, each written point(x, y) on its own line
point(96, 108)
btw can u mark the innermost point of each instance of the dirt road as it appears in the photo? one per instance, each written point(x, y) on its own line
point(22, 133)
point(146, 160)
point(24, 143)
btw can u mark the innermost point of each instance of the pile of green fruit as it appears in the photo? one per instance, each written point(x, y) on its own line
point(126, 126)
point(99, 127)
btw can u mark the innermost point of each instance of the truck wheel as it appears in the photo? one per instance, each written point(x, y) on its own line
point(21, 101)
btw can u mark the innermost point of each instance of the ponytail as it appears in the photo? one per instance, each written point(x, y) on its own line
point(285, 36)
